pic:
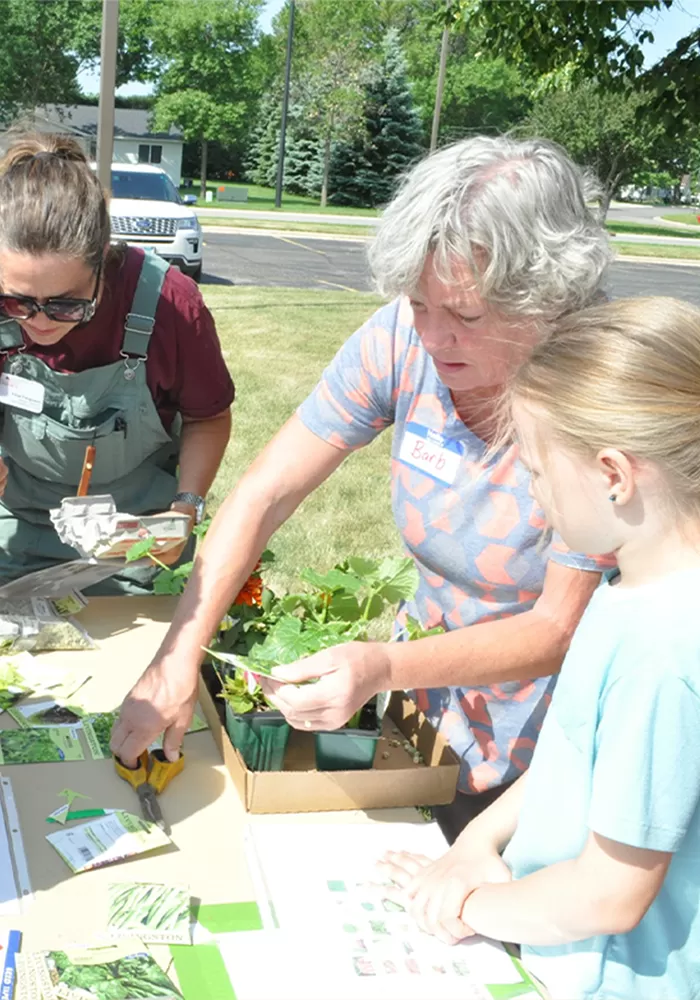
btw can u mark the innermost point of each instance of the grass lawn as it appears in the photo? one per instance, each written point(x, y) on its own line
point(262, 199)
point(690, 218)
point(640, 228)
point(668, 250)
point(295, 227)
point(276, 343)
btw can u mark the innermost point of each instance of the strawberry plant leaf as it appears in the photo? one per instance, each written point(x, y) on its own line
point(284, 643)
point(331, 581)
point(365, 568)
point(399, 580)
point(140, 549)
point(345, 607)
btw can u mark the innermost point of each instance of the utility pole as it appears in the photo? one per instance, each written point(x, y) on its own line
point(285, 105)
point(440, 87)
point(108, 79)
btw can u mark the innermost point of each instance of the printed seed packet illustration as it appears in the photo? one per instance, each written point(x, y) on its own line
point(39, 746)
point(45, 713)
point(107, 840)
point(156, 913)
point(123, 969)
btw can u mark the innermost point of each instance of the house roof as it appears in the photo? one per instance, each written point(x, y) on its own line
point(82, 119)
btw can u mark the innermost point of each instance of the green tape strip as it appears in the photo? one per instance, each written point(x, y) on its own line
point(200, 968)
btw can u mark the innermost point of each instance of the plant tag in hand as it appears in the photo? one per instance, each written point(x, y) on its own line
point(22, 393)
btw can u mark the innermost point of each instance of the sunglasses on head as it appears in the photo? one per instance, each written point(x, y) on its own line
point(59, 310)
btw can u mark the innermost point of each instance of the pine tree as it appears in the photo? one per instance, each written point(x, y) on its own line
point(366, 171)
point(261, 161)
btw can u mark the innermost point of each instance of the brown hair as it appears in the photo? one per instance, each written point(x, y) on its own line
point(51, 200)
point(625, 375)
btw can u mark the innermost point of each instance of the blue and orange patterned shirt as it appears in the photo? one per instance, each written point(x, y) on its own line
point(466, 518)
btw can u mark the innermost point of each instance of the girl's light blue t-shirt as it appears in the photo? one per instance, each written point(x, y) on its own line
point(619, 754)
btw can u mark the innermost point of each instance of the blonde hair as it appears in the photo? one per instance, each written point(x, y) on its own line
point(51, 200)
point(625, 375)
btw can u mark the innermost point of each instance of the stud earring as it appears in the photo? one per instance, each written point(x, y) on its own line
point(613, 497)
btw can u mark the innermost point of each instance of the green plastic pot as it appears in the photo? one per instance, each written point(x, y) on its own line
point(260, 738)
point(346, 749)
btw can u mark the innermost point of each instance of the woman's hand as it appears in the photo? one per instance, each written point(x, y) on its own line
point(434, 892)
point(348, 676)
point(3, 477)
point(161, 701)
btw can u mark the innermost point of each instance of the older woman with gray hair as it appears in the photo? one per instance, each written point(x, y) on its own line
point(486, 244)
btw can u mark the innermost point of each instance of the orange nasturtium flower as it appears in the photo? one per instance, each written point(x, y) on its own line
point(251, 592)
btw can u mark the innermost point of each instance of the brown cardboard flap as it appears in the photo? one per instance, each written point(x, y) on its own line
point(394, 780)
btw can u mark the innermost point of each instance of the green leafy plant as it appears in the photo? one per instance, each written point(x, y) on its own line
point(332, 608)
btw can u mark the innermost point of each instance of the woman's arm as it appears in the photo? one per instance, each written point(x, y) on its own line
point(532, 644)
point(607, 889)
point(202, 446)
point(292, 465)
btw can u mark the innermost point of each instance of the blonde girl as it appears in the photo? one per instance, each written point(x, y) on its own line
point(592, 859)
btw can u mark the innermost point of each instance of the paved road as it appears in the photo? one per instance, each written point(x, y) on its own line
point(302, 262)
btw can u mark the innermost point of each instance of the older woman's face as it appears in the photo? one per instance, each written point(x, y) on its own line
point(472, 346)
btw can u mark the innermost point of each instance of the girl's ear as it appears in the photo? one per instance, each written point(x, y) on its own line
point(618, 474)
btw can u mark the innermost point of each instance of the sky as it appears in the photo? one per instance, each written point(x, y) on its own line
point(668, 26)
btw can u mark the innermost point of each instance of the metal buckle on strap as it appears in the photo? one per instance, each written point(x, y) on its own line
point(15, 365)
point(137, 323)
point(130, 370)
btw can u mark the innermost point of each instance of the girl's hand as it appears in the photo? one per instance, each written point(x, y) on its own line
point(434, 892)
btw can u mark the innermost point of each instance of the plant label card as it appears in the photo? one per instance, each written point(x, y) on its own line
point(156, 913)
point(107, 840)
point(10, 942)
point(39, 746)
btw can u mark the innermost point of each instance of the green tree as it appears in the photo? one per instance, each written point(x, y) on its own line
point(39, 52)
point(365, 172)
point(607, 132)
point(207, 82)
point(599, 40)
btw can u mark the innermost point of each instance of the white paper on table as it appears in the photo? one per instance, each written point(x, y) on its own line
point(319, 881)
point(298, 965)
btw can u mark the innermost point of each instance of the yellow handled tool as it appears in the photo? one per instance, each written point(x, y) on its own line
point(153, 773)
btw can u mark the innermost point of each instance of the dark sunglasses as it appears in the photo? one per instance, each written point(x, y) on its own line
point(58, 310)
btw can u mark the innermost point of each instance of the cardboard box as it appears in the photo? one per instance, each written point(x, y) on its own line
point(395, 779)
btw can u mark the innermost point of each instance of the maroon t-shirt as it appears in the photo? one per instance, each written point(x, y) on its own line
point(185, 370)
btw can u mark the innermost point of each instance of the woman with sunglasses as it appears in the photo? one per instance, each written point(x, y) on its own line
point(99, 345)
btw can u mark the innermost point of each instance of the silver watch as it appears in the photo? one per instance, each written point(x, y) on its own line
point(194, 501)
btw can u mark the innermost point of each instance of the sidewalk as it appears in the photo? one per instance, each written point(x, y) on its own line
point(243, 213)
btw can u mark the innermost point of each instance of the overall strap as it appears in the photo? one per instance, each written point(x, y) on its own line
point(140, 321)
point(10, 336)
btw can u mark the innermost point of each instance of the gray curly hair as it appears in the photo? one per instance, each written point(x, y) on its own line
point(515, 211)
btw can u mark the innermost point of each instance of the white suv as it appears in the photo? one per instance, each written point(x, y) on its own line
point(147, 211)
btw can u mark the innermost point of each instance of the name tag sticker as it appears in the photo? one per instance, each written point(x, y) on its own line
point(431, 452)
point(22, 393)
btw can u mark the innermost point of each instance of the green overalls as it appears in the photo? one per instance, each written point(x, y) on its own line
point(110, 407)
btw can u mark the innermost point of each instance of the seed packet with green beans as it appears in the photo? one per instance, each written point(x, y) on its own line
point(38, 746)
point(156, 913)
point(120, 970)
